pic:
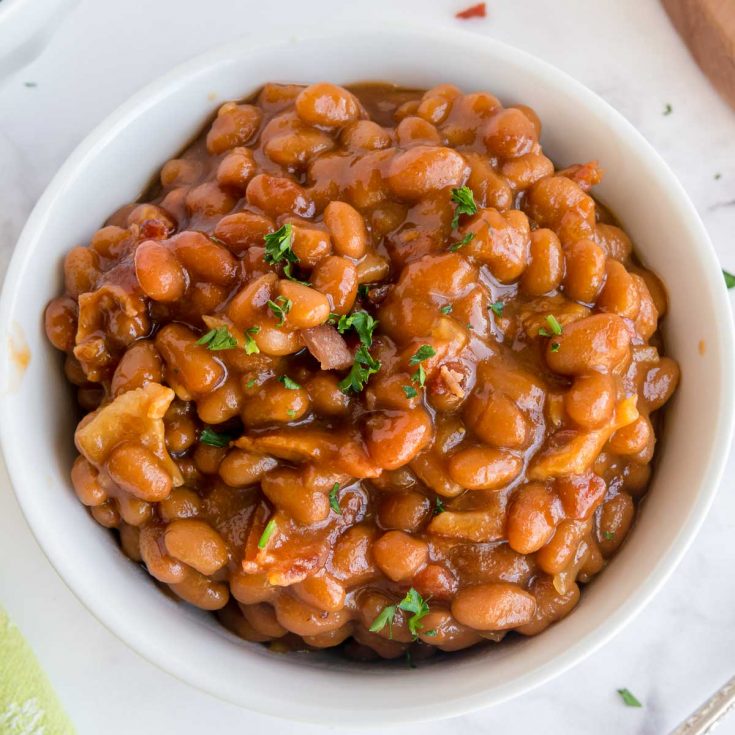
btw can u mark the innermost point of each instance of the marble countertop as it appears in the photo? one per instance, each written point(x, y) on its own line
point(681, 648)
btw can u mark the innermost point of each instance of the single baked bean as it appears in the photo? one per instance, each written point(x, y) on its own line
point(81, 271)
point(236, 168)
point(527, 169)
point(497, 606)
point(180, 171)
point(632, 438)
point(234, 126)
point(580, 494)
point(613, 241)
point(399, 555)
point(180, 435)
point(352, 561)
point(138, 471)
point(208, 459)
point(284, 487)
point(201, 592)
point(240, 468)
point(201, 255)
point(405, 511)
point(221, 404)
point(336, 278)
point(646, 320)
point(615, 521)
point(420, 170)
point(197, 544)
point(251, 588)
point(60, 321)
point(86, 483)
point(496, 418)
point(550, 604)
point(180, 503)
point(510, 134)
point(531, 518)
point(274, 402)
point(159, 273)
point(303, 619)
point(296, 148)
point(106, 514)
point(590, 401)
point(130, 542)
point(262, 617)
point(585, 271)
point(439, 628)
point(276, 196)
point(133, 511)
point(560, 550)
point(348, 230)
point(620, 294)
point(243, 230)
point(322, 592)
point(394, 438)
point(546, 264)
point(490, 189)
point(416, 131)
point(598, 342)
point(326, 105)
point(309, 307)
point(554, 199)
point(484, 468)
point(193, 364)
point(366, 135)
point(140, 364)
point(310, 244)
point(660, 383)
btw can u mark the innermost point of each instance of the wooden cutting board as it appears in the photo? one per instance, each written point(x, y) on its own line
point(708, 29)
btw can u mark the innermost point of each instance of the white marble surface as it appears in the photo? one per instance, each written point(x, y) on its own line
point(673, 655)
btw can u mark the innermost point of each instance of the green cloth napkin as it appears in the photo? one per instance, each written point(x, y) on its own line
point(28, 705)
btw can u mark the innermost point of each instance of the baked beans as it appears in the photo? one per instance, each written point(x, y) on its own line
point(364, 370)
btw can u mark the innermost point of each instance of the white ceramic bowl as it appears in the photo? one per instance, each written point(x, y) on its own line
point(115, 163)
point(26, 27)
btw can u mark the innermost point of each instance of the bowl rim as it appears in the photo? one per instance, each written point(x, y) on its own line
point(148, 96)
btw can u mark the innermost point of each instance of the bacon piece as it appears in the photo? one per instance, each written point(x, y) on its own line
point(328, 346)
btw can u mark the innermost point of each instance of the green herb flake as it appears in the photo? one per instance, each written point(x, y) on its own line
point(213, 439)
point(419, 376)
point(410, 391)
point(628, 698)
point(251, 348)
point(423, 353)
point(30, 85)
point(363, 367)
point(218, 339)
point(362, 290)
point(446, 309)
point(609, 535)
point(718, 176)
point(465, 201)
point(251, 383)
point(466, 240)
point(668, 109)
point(383, 618)
point(497, 308)
point(362, 323)
point(334, 500)
point(267, 533)
point(278, 246)
point(438, 506)
point(291, 412)
point(409, 660)
point(288, 383)
point(729, 278)
point(280, 307)
point(415, 604)
point(555, 346)
point(552, 321)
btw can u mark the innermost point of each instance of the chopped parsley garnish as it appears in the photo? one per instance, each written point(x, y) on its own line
point(554, 326)
point(30, 84)
point(267, 533)
point(423, 353)
point(409, 659)
point(465, 201)
point(729, 278)
point(362, 290)
point(291, 412)
point(412, 603)
point(497, 308)
point(278, 246)
point(438, 506)
point(668, 109)
point(446, 309)
point(384, 617)
point(361, 322)
point(629, 699)
point(466, 240)
point(410, 391)
point(555, 346)
point(334, 500)
point(251, 347)
point(218, 338)
point(280, 307)
point(364, 366)
point(251, 383)
point(609, 535)
point(718, 176)
point(211, 437)
point(288, 383)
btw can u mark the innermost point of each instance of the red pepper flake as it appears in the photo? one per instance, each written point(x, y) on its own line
point(474, 11)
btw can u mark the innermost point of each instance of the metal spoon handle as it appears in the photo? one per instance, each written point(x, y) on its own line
point(704, 719)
